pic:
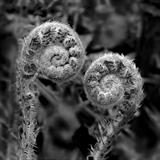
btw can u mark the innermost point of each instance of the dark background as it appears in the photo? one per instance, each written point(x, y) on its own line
point(131, 27)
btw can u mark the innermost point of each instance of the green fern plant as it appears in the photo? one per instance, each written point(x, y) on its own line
point(52, 51)
point(112, 84)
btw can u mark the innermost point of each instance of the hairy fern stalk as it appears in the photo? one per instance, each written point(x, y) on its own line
point(52, 51)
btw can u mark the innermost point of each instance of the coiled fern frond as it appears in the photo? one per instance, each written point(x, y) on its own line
point(113, 84)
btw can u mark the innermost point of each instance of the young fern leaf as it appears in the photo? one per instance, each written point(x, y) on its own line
point(56, 50)
point(53, 51)
point(112, 83)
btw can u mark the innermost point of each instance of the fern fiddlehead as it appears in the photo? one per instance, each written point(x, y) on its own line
point(112, 83)
point(53, 51)
point(56, 50)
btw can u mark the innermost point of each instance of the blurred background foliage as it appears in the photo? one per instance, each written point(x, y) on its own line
point(123, 26)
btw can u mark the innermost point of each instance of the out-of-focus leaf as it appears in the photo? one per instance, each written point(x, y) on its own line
point(113, 31)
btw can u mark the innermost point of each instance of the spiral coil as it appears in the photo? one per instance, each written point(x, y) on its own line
point(111, 80)
point(114, 84)
point(55, 50)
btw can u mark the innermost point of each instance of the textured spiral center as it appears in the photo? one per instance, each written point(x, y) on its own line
point(108, 82)
point(111, 86)
point(55, 56)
